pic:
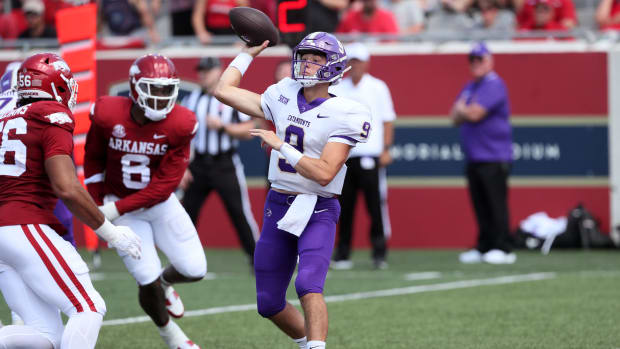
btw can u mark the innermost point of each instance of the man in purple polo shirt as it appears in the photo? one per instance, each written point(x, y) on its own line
point(482, 111)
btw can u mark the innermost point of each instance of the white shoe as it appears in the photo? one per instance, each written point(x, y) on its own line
point(470, 257)
point(175, 338)
point(174, 305)
point(343, 264)
point(499, 257)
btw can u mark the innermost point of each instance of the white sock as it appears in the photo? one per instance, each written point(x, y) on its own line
point(316, 345)
point(81, 331)
point(23, 337)
point(172, 334)
point(168, 329)
point(301, 342)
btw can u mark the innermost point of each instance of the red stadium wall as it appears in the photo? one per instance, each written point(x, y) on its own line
point(553, 85)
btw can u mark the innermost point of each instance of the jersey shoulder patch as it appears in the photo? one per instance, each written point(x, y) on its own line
point(51, 112)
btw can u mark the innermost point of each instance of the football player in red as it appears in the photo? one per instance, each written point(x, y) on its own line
point(40, 273)
point(137, 150)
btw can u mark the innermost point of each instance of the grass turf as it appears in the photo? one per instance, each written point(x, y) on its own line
point(578, 308)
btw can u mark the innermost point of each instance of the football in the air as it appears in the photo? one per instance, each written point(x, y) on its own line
point(253, 26)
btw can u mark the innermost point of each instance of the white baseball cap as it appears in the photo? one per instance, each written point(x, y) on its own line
point(357, 50)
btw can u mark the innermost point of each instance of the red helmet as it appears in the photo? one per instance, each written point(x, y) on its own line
point(154, 85)
point(46, 76)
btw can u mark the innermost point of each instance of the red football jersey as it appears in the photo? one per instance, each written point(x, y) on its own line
point(30, 135)
point(141, 164)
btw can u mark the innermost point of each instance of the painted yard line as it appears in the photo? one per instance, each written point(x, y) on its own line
point(361, 295)
point(423, 275)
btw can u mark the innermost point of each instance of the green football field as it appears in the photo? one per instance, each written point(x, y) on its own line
point(426, 299)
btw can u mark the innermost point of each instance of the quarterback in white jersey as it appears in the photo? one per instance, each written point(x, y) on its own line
point(314, 133)
point(308, 127)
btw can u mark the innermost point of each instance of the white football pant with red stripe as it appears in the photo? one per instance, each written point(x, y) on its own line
point(167, 226)
point(41, 274)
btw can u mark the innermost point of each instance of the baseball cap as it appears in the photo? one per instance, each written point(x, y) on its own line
point(479, 50)
point(208, 63)
point(358, 51)
point(33, 6)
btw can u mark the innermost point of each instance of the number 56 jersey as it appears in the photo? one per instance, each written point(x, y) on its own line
point(29, 135)
point(140, 164)
point(308, 127)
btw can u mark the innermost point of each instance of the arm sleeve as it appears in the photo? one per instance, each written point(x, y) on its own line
point(390, 22)
point(56, 141)
point(163, 182)
point(94, 162)
point(353, 128)
point(490, 96)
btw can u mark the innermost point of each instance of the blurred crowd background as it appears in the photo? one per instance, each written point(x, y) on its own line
point(142, 23)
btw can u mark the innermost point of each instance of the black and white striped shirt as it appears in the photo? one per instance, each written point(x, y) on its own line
point(208, 141)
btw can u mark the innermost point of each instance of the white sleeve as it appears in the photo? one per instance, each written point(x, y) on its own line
point(354, 127)
point(386, 106)
point(267, 101)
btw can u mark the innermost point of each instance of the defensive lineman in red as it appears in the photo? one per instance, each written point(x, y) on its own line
point(137, 150)
point(40, 273)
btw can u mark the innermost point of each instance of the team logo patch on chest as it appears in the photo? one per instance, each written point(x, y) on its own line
point(119, 131)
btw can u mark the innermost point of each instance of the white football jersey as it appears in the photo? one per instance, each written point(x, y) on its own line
point(8, 100)
point(308, 127)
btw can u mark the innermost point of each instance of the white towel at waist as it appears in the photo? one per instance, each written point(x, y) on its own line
point(298, 215)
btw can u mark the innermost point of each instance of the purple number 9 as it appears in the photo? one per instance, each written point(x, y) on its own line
point(297, 142)
point(366, 128)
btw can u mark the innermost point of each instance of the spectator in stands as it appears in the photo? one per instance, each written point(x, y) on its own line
point(181, 17)
point(409, 15)
point(268, 7)
point(563, 14)
point(370, 18)
point(450, 15)
point(608, 15)
point(131, 17)
point(37, 29)
point(543, 18)
point(11, 23)
point(211, 17)
point(489, 16)
point(324, 15)
point(482, 111)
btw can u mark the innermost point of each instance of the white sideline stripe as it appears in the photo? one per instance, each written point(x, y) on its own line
point(361, 295)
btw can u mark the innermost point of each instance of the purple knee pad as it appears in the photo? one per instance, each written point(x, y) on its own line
point(311, 274)
point(276, 252)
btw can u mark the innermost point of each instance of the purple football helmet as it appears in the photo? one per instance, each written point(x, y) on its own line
point(333, 50)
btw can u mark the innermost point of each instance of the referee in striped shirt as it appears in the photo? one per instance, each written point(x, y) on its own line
point(216, 164)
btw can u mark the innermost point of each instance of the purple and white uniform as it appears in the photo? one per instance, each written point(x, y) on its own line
point(308, 127)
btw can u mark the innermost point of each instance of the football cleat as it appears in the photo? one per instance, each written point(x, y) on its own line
point(343, 264)
point(174, 305)
point(472, 256)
